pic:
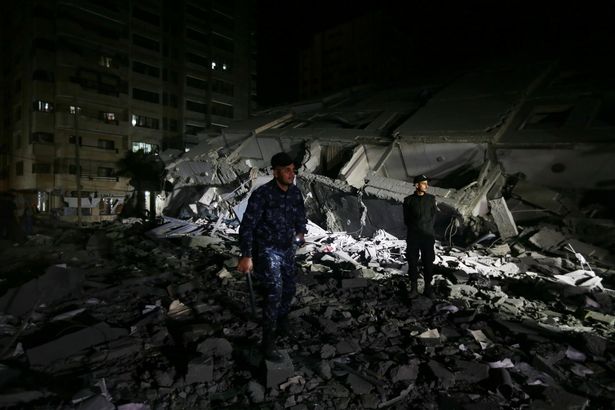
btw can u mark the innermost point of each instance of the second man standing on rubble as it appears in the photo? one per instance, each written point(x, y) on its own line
point(274, 221)
point(419, 216)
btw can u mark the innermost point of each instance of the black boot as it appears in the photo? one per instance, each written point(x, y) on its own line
point(428, 291)
point(269, 351)
point(283, 326)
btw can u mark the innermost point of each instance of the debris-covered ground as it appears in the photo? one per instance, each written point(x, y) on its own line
point(110, 316)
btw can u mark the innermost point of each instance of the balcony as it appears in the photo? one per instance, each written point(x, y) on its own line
point(66, 120)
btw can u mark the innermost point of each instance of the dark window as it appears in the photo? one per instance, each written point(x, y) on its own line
point(42, 75)
point(71, 140)
point(142, 68)
point(106, 144)
point(43, 44)
point(41, 168)
point(145, 95)
point(197, 59)
point(105, 172)
point(223, 20)
point(223, 43)
point(222, 110)
point(196, 12)
point(196, 83)
point(196, 36)
point(19, 168)
point(193, 129)
point(145, 42)
point(145, 16)
point(222, 87)
point(41, 137)
point(196, 106)
point(18, 113)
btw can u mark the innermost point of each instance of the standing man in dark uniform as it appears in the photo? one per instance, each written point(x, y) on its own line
point(273, 222)
point(419, 216)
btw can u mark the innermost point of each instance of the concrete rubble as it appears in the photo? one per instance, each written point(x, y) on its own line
point(163, 321)
point(151, 315)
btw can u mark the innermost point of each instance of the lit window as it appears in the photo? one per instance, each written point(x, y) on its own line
point(108, 117)
point(224, 67)
point(43, 106)
point(105, 61)
point(213, 65)
point(146, 147)
point(73, 109)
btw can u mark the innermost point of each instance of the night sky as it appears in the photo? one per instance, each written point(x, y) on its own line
point(445, 33)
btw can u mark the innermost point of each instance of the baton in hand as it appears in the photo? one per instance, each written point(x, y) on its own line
point(251, 289)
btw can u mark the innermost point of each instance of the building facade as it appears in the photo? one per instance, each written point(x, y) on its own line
point(86, 81)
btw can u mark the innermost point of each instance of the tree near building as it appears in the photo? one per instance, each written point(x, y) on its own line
point(146, 172)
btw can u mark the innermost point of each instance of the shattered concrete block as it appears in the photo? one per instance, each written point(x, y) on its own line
point(97, 402)
point(327, 351)
point(215, 346)
point(358, 384)
point(600, 317)
point(461, 291)
point(407, 372)
point(558, 398)
point(324, 369)
point(503, 218)
point(471, 372)
point(278, 373)
point(547, 239)
point(347, 346)
point(444, 376)
point(71, 344)
point(20, 397)
point(164, 378)
point(431, 336)
point(200, 370)
point(354, 283)
point(56, 283)
point(256, 392)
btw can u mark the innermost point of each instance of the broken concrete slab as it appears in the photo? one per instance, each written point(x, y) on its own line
point(200, 370)
point(278, 373)
point(503, 218)
point(68, 345)
point(56, 283)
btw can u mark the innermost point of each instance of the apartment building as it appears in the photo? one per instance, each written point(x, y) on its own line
point(86, 81)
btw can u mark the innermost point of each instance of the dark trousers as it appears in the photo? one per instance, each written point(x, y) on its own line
point(275, 270)
point(425, 246)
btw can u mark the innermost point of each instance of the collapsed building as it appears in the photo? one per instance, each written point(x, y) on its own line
point(533, 137)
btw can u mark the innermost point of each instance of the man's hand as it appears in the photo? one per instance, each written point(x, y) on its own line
point(245, 264)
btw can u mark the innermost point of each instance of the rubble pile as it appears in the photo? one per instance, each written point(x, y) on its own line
point(115, 317)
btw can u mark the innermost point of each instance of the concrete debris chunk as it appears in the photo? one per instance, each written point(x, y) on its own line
point(200, 370)
point(277, 373)
point(56, 283)
point(72, 343)
point(215, 346)
point(358, 384)
point(503, 218)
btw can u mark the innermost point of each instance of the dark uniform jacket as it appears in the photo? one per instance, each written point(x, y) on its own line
point(272, 219)
point(420, 214)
